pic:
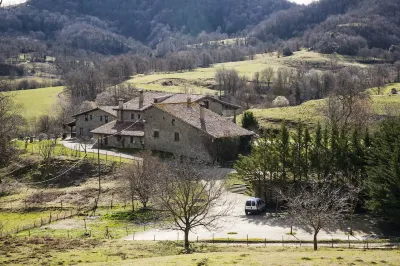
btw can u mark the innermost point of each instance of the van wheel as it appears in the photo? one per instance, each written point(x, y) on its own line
point(246, 213)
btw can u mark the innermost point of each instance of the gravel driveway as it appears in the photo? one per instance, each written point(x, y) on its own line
point(267, 225)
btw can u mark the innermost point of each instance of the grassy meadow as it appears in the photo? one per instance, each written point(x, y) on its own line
point(200, 78)
point(310, 112)
point(38, 101)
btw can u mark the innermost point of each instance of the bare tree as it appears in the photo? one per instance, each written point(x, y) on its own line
point(379, 77)
point(46, 150)
point(348, 106)
point(267, 74)
point(10, 120)
point(397, 66)
point(228, 81)
point(319, 205)
point(192, 196)
point(139, 178)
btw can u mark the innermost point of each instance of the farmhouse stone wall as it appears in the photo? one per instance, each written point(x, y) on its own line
point(219, 108)
point(93, 121)
point(192, 142)
point(125, 142)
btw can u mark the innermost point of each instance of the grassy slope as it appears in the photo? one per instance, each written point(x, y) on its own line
point(310, 112)
point(37, 102)
point(204, 76)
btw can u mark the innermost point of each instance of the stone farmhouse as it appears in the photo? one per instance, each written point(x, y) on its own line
point(86, 121)
point(190, 125)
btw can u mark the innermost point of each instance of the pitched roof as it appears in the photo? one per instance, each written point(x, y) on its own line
point(148, 100)
point(164, 97)
point(213, 124)
point(108, 109)
point(121, 128)
point(182, 98)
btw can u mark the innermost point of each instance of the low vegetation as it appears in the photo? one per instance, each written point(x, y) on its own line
point(63, 251)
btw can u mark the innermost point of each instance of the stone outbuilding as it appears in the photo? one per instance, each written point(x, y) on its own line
point(89, 120)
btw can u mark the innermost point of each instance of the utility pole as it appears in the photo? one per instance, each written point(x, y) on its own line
point(99, 173)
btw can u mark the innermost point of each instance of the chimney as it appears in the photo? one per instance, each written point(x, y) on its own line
point(121, 109)
point(202, 111)
point(141, 98)
point(189, 101)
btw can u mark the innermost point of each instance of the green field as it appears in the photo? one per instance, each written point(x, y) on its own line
point(200, 78)
point(37, 102)
point(310, 113)
point(64, 251)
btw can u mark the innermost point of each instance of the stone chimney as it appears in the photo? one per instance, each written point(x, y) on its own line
point(120, 109)
point(189, 101)
point(202, 111)
point(141, 99)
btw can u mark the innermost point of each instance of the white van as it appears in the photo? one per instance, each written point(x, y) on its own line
point(254, 205)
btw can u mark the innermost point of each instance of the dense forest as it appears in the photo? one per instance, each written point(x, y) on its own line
point(113, 27)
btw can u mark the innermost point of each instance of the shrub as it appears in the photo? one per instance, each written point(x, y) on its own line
point(249, 121)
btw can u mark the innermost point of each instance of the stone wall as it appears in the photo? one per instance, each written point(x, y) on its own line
point(124, 142)
point(192, 142)
point(93, 122)
point(128, 118)
point(219, 108)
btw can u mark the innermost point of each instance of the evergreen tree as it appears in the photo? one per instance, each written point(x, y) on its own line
point(283, 150)
point(306, 161)
point(296, 154)
point(383, 182)
point(257, 168)
point(249, 121)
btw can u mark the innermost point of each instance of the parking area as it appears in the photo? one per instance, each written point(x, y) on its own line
point(267, 225)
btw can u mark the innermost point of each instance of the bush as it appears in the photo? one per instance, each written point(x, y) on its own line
point(249, 121)
point(287, 52)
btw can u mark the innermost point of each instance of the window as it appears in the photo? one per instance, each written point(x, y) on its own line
point(106, 141)
point(206, 103)
point(101, 118)
point(91, 117)
point(176, 136)
point(132, 141)
point(106, 118)
point(118, 138)
point(132, 116)
point(156, 134)
point(138, 116)
point(81, 131)
point(173, 122)
point(86, 118)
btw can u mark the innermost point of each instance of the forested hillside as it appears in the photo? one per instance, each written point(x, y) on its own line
point(114, 27)
point(343, 26)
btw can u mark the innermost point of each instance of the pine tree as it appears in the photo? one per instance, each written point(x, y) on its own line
point(297, 156)
point(306, 161)
point(383, 182)
point(249, 121)
point(283, 149)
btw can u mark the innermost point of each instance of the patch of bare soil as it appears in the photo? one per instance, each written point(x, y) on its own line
point(65, 225)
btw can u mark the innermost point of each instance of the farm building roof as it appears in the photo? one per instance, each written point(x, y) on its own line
point(108, 109)
point(121, 128)
point(213, 124)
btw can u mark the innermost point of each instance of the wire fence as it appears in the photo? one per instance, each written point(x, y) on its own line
point(80, 151)
point(44, 220)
